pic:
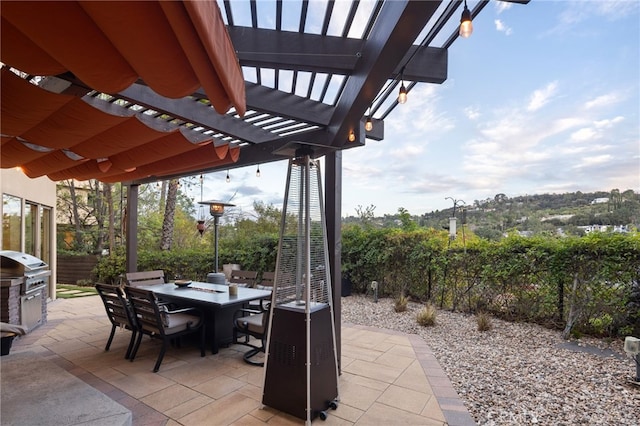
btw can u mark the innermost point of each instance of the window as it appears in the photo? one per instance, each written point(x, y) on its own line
point(11, 222)
point(30, 228)
point(37, 221)
point(45, 235)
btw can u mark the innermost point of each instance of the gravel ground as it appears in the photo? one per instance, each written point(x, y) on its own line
point(518, 373)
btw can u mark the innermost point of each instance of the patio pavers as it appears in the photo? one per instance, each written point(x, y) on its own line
point(387, 377)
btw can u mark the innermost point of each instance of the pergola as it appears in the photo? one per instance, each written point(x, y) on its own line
point(137, 92)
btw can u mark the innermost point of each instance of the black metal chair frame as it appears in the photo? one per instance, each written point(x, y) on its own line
point(119, 312)
point(150, 322)
point(241, 327)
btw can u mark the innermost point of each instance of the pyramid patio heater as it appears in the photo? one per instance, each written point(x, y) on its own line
point(301, 369)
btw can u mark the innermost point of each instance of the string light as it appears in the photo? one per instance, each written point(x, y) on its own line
point(368, 124)
point(228, 179)
point(402, 95)
point(258, 171)
point(466, 27)
point(352, 136)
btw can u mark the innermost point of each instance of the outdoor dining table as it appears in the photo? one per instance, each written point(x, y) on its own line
point(216, 303)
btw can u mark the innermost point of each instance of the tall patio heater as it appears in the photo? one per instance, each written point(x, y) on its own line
point(301, 368)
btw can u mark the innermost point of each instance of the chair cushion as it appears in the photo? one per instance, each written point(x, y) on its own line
point(179, 321)
point(164, 314)
point(252, 323)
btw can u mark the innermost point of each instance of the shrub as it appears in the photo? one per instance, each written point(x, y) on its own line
point(484, 321)
point(401, 303)
point(427, 316)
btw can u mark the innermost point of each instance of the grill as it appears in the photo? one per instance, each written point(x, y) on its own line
point(18, 265)
point(24, 279)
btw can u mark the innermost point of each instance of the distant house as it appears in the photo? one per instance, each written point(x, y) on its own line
point(604, 228)
point(621, 228)
point(563, 217)
point(593, 228)
point(601, 200)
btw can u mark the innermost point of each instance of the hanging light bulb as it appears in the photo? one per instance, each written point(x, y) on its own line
point(368, 124)
point(352, 136)
point(466, 27)
point(402, 95)
point(258, 171)
point(228, 179)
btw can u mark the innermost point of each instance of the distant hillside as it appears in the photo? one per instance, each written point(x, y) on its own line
point(543, 213)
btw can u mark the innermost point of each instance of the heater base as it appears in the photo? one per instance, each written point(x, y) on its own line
point(286, 384)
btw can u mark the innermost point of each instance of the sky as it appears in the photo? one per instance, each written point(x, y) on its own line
point(542, 98)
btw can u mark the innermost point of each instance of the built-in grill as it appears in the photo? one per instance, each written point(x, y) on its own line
point(24, 281)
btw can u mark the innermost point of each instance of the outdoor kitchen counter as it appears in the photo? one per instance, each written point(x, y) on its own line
point(11, 282)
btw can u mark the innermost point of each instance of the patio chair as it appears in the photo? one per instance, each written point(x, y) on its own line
point(266, 282)
point(158, 322)
point(143, 278)
point(137, 279)
point(252, 323)
point(243, 278)
point(119, 312)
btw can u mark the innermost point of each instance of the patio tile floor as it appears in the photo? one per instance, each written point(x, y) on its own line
point(387, 377)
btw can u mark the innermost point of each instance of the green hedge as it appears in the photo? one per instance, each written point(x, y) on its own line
point(258, 254)
point(590, 283)
point(586, 281)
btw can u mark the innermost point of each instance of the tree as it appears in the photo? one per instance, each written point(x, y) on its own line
point(78, 204)
point(79, 239)
point(405, 219)
point(111, 229)
point(166, 239)
point(100, 213)
point(366, 214)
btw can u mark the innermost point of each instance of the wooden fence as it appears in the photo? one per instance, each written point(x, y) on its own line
point(72, 269)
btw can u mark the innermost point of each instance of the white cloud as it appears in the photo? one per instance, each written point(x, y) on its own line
point(542, 96)
point(472, 113)
point(520, 146)
point(563, 124)
point(361, 173)
point(602, 101)
point(596, 130)
point(614, 10)
point(433, 183)
point(594, 160)
point(581, 149)
point(501, 6)
point(584, 134)
point(410, 150)
point(423, 111)
point(606, 124)
point(579, 11)
point(501, 27)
